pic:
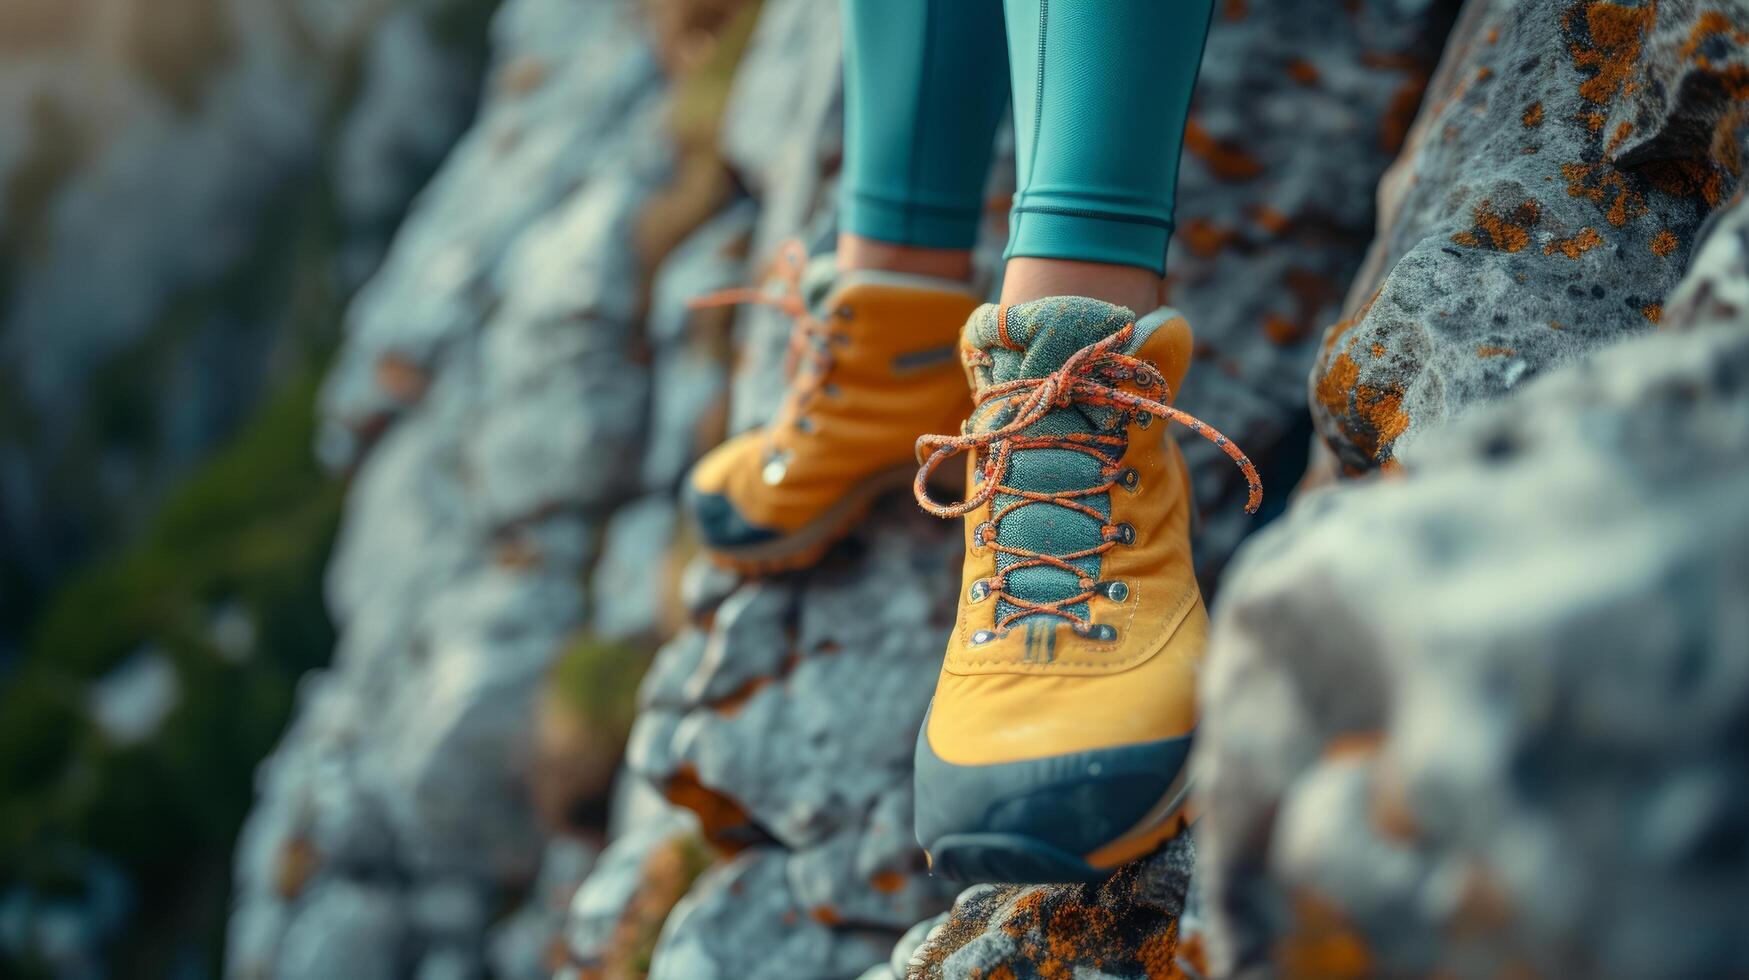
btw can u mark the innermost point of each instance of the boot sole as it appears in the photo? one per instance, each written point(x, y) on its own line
point(1016, 858)
point(809, 543)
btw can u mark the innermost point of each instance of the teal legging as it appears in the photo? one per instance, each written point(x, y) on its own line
point(1100, 90)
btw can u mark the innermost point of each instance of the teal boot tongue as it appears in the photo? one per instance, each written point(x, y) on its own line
point(1046, 331)
point(1040, 337)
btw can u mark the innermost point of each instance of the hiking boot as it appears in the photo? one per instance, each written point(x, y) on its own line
point(1055, 747)
point(872, 366)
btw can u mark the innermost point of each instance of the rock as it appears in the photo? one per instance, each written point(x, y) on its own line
point(1536, 215)
point(771, 732)
point(563, 74)
point(1296, 116)
point(129, 703)
point(741, 920)
point(1126, 926)
point(487, 369)
point(614, 917)
point(1486, 718)
point(634, 580)
point(531, 942)
point(345, 929)
point(134, 347)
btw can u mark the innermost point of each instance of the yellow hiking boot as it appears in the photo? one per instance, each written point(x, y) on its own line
point(1054, 749)
point(872, 367)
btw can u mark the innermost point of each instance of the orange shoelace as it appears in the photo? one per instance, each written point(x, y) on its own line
point(1091, 376)
point(810, 339)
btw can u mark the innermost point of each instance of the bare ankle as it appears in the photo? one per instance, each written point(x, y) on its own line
point(856, 252)
point(1125, 285)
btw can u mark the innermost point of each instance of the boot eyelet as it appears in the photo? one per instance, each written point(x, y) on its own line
point(1115, 591)
point(1144, 419)
point(982, 637)
point(774, 470)
point(1103, 632)
point(1123, 534)
point(845, 313)
point(982, 534)
point(1129, 479)
point(829, 389)
point(979, 592)
point(804, 424)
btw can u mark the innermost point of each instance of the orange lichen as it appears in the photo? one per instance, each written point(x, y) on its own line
point(826, 915)
point(1576, 245)
point(1483, 907)
point(1623, 130)
point(1604, 42)
point(1653, 311)
point(1269, 219)
point(724, 824)
point(400, 378)
point(1599, 183)
point(1707, 26)
point(731, 704)
point(1158, 955)
point(1494, 34)
point(297, 862)
point(1204, 238)
point(1388, 805)
point(1400, 111)
point(1281, 330)
point(1486, 351)
point(1302, 71)
point(1322, 944)
point(1350, 745)
point(1225, 160)
point(1593, 120)
point(1340, 327)
point(1312, 294)
point(1378, 350)
point(1235, 10)
point(1501, 232)
point(1692, 178)
point(887, 882)
point(1533, 116)
point(1664, 243)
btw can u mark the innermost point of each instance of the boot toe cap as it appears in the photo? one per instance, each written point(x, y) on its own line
point(1039, 819)
point(720, 522)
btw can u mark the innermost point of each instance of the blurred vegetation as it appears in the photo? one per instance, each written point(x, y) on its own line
point(247, 533)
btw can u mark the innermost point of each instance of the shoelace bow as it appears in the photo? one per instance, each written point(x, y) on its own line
point(780, 287)
point(1090, 376)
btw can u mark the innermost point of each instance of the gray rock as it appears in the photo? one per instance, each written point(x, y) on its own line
point(525, 944)
point(740, 920)
point(1126, 926)
point(1535, 216)
point(1297, 115)
point(1487, 717)
point(127, 352)
point(632, 580)
point(344, 928)
point(599, 908)
point(487, 370)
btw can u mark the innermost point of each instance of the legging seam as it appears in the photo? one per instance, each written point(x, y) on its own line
point(1128, 219)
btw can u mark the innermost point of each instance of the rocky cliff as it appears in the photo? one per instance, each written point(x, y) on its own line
point(1415, 758)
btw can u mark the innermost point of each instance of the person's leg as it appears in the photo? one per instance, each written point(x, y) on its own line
point(873, 362)
point(925, 84)
point(1101, 93)
point(1055, 746)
